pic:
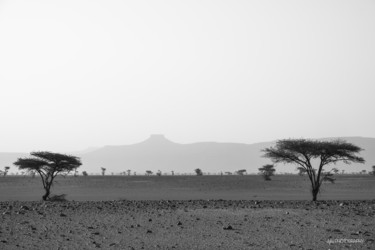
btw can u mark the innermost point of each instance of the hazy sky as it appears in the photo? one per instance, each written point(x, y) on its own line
point(77, 73)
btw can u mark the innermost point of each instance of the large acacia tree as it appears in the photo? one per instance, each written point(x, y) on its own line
point(307, 153)
point(48, 165)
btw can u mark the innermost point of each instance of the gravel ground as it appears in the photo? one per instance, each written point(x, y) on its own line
point(195, 224)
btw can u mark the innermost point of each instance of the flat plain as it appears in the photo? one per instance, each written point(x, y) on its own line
point(247, 187)
point(188, 212)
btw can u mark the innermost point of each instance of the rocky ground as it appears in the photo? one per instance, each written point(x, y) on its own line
point(195, 224)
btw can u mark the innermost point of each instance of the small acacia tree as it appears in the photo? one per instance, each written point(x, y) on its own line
point(304, 152)
point(241, 171)
point(48, 165)
point(103, 171)
point(373, 171)
point(198, 172)
point(6, 169)
point(301, 171)
point(267, 171)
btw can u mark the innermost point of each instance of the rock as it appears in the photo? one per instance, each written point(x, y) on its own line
point(229, 227)
point(179, 223)
point(149, 232)
point(337, 231)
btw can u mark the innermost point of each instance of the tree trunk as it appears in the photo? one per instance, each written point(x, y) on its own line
point(46, 195)
point(315, 193)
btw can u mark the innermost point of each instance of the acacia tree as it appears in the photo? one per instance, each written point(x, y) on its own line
point(304, 153)
point(241, 171)
point(6, 169)
point(373, 170)
point(103, 171)
point(198, 172)
point(48, 165)
point(301, 171)
point(267, 171)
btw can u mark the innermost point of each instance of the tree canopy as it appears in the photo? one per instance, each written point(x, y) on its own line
point(48, 165)
point(304, 152)
point(267, 171)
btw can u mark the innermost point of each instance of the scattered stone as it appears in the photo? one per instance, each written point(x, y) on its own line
point(337, 231)
point(179, 223)
point(367, 233)
point(149, 232)
point(229, 227)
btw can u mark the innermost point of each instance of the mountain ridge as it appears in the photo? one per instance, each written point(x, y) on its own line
point(159, 153)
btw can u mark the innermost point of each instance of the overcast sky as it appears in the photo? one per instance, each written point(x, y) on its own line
point(75, 73)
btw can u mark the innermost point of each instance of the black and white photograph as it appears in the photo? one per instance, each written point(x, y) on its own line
point(187, 124)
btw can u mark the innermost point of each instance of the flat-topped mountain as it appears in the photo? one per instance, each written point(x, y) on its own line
point(159, 153)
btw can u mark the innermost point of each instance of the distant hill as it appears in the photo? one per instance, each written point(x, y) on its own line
point(159, 153)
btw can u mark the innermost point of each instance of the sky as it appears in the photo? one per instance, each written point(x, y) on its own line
point(77, 74)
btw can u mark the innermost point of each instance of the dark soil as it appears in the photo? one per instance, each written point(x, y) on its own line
point(194, 224)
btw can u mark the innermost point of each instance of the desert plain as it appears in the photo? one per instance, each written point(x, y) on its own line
point(188, 212)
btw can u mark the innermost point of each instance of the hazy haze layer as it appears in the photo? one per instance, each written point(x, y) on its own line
point(75, 74)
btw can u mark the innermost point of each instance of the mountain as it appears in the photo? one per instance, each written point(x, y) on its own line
point(159, 153)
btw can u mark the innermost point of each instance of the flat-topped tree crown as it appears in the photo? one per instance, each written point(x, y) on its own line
point(48, 165)
point(304, 151)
